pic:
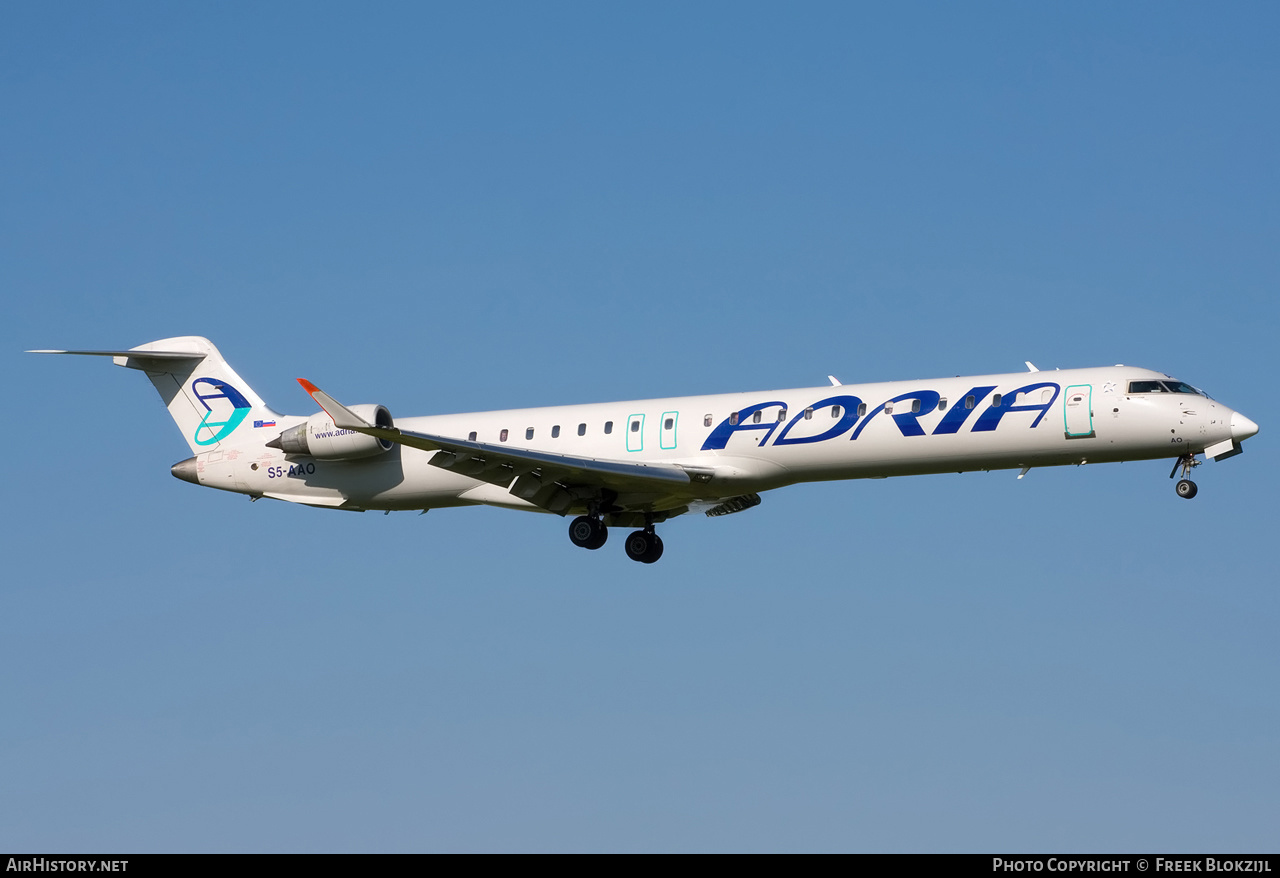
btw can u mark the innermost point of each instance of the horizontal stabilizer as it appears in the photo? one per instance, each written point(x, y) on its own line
point(136, 354)
point(207, 400)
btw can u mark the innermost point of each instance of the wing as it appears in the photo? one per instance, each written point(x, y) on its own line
point(556, 482)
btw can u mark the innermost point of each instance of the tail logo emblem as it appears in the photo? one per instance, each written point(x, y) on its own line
point(229, 414)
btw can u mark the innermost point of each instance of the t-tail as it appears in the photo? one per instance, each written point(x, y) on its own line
point(212, 405)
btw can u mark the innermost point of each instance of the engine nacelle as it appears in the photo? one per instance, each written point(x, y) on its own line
point(317, 436)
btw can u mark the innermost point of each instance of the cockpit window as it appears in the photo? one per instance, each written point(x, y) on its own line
point(1146, 387)
point(1163, 387)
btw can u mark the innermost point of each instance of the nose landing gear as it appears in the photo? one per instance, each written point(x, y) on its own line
point(1186, 488)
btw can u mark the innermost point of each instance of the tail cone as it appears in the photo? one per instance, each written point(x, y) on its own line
point(186, 470)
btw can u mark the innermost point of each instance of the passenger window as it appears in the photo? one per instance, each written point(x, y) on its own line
point(969, 402)
point(996, 400)
point(608, 427)
point(668, 424)
point(755, 419)
point(635, 426)
point(808, 413)
point(706, 421)
point(471, 437)
point(555, 432)
point(733, 419)
point(782, 415)
point(835, 411)
point(1046, 395)
point(915, 406)
point(502, 437)
point(942, 404)
point(582, 429)
point(888, 408)
point(862, 410)
point(528, 434)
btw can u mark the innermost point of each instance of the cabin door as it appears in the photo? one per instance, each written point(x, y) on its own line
point(1077, 414)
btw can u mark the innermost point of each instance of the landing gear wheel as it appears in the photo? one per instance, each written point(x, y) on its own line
point(644, 547)
point(1186, 488)
point(587, 532)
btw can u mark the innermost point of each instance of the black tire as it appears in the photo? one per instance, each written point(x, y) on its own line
point(602, 535)
point(587, 532)
point(655, 550)
point(1186, 489)
point(639, 544)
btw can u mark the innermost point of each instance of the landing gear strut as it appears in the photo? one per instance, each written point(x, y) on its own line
point(588, 532)
point(1186, 488)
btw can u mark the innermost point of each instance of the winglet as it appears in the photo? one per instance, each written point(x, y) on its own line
point(1030, 366)
point(835, 382)
point(343, 417)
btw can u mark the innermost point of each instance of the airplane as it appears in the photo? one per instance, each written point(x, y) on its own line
point(638, 463)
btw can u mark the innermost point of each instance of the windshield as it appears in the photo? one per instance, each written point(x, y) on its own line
point(1167, 386)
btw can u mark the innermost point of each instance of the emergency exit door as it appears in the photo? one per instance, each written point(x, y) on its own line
point(668, 435)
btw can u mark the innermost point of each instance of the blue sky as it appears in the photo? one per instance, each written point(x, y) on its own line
point(448, 208)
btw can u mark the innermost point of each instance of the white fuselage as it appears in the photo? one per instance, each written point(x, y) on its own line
point(750, 442)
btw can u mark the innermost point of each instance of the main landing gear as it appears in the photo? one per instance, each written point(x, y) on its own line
point(589, 532)
point(644, 546)
point(1186, 488)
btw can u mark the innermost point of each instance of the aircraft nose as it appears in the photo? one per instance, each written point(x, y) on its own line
point(1241, 427)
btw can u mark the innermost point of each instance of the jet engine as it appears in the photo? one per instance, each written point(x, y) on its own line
point(317, 436)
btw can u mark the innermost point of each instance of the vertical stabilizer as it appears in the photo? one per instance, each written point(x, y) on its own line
point(210, 403)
